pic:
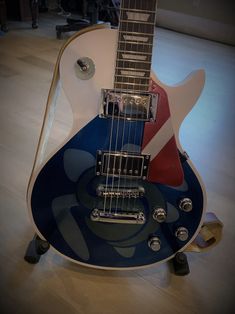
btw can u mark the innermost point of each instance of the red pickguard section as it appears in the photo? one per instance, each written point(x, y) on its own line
point(165, 167)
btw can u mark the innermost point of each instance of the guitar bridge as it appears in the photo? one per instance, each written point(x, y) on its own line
point(137, 217)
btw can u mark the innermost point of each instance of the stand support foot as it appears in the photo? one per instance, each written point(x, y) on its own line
point(35, 249)
point(180, 264)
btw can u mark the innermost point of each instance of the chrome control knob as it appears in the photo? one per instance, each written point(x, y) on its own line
point(159, 214)
point(182, 233)
point(154, 243)
point(85, 68)
point(186, 204)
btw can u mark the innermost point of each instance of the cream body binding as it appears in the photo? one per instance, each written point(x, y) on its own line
point(100, 44)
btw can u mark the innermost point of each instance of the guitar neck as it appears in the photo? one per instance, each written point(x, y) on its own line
point(135, 45)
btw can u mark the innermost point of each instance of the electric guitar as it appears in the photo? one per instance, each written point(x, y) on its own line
point(120, 193)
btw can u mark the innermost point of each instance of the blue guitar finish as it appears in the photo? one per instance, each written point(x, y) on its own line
point(64, 195)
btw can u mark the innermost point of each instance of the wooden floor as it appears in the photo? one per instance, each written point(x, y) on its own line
point(57, 286)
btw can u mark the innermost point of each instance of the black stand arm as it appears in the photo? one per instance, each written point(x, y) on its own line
point(180, 264)
point(3, 16)
point(35, 249)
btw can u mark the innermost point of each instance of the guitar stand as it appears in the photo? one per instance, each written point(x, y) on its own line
point(36, 248)
point(78, 24)
point(180, 264)
point(93, 10)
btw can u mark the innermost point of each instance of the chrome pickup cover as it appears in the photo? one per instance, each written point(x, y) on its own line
point(122, 164)
point(127, 105)
point(135, 217)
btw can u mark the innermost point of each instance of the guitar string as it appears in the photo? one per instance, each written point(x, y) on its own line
point(129, 124)
point(115, 187)
point(135, 123)
point(134, 111)
point(108, 164)
point(106, 190)
point(118, 126)
point(137, 140)
point(120, 201)
point(123, 119)
point(121, 16)
point(147, 29)
point(116, 173)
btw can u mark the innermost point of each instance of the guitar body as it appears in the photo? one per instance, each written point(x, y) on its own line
point(63, 192)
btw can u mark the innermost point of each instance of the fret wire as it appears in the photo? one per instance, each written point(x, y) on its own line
point(131, 80)
point(136, 22)
point(136, 33)
point(135, 52)
point(136, 28)
point(140, 43)
point(133, 91)
point(137, 58)
point(135, 43)
point(146, 73)
point(126, 17)
point(130, 60)
point(137, 10)
point(132, 69)
point(144, 67)
point(131, 63)
point(126, 83)
point(132, 76)
point(147, 35)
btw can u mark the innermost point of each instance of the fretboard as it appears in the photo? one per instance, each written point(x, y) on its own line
point(135, 44)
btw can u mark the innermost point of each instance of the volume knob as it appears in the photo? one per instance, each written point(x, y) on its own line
point(154, 243)
point(85, 68)
point(159, 214)
point(186, 204)
point(182, 233)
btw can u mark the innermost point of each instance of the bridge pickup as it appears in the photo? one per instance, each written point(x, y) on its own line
point(128, 105)
point(118, 217)
point(123, 192)
point(122, 164)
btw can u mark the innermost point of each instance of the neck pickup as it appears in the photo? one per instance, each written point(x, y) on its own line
point(129, 106)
